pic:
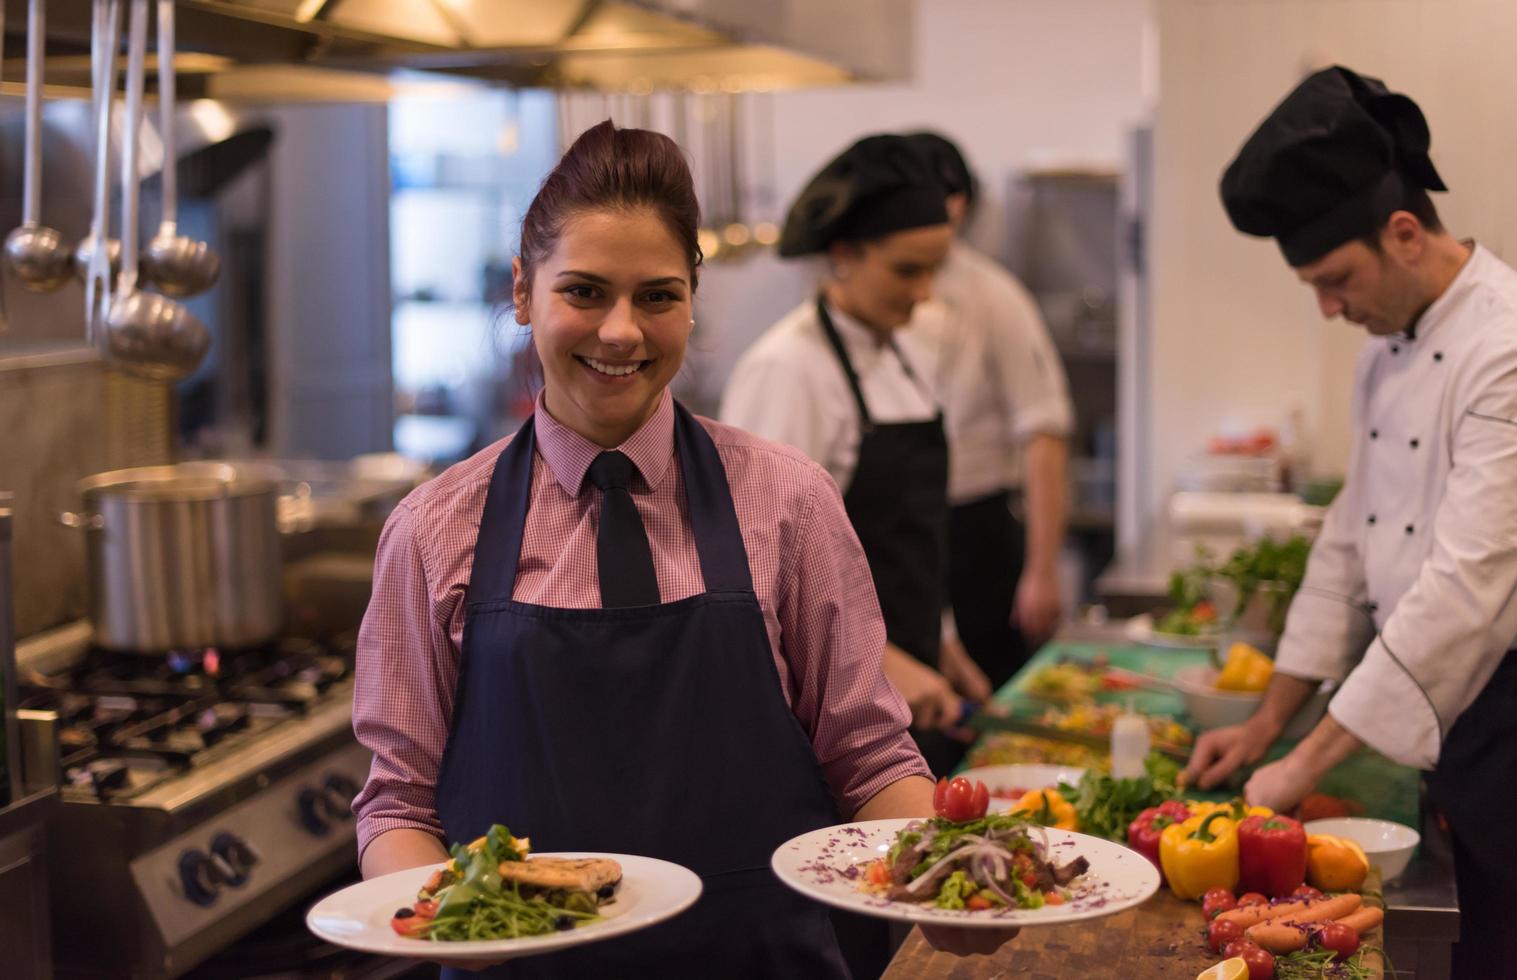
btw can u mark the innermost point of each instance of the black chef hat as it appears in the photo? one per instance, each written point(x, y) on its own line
point(879, 185)
point(1333, 159)
point(952, 169)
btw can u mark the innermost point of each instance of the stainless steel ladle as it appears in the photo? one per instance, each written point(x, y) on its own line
point(149, 335)
point(35, 252)
point(177, 264)
point(97, 259)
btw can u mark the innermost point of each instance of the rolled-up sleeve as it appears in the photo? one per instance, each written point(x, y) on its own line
point(833, 639)
point(1030, 374)
point(1450, 630)
point(403, 694)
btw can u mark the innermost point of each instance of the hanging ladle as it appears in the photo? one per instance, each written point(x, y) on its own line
point(98, 258)
point(148, 335)
point(177, 264)
point(35, 252)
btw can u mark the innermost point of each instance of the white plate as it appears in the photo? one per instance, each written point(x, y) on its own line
point(359, 916)
point(1023, 775)
point(1140, 629)
point(827, 865)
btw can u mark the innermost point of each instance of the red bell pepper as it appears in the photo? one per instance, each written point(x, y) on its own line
point(1271, 855)
point(1143, 833)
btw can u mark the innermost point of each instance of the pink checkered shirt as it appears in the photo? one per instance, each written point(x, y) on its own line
point(808, 571)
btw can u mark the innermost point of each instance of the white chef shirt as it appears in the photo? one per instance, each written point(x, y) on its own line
point(993, 367)
point(789, 387)
point(1411, 589)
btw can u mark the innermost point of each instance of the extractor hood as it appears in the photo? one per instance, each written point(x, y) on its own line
point(261, 49)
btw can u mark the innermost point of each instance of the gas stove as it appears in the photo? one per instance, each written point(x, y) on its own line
point(202, 793)
point(127, 723)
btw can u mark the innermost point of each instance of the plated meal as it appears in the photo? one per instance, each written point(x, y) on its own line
point(966, 867)
point(494, 889)
point(494, 900)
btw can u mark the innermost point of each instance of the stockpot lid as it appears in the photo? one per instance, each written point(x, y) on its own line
point(182, 481)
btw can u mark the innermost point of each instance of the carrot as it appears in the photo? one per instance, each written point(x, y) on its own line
point(1306, 910)
point(1279, 937)
point(1363, 920)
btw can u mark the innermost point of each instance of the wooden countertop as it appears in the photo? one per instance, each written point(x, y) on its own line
point(1159, 940)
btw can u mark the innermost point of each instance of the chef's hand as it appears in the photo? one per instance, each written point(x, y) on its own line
point(967, 942)
point(1037, 606)
point(933, 701)
point(1281, 784)
point(960, 670)
point(1220, 752)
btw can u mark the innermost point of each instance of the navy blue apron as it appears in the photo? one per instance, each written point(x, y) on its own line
point(657, 730)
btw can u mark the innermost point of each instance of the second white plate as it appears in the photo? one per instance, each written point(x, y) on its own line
point(828, 865)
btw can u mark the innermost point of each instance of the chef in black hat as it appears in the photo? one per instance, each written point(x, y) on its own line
point(831, 380)
point(1410, 595)
point(1007, 408)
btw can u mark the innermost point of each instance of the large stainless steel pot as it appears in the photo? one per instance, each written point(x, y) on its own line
point(182, 556)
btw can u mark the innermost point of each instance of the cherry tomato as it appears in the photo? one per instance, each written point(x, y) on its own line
point(878, 873)
point(1261, 963)
point(960, 801)
point(1236, 947)
point(977, 903)
point(1251, 898)
point(409, 926)
point(1306, 892)
point(1220, 932)
point(1339, 938)
point(1213, 905)
point(1053, 898)
point(426, 909)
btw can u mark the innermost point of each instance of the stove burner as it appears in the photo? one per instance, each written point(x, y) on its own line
point(128, 721)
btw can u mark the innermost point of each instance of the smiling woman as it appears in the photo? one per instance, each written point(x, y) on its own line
point(623, 594)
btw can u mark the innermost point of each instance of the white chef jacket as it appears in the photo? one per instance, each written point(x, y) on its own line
point(789, 387)
point(992, 366)
point(1410, 595)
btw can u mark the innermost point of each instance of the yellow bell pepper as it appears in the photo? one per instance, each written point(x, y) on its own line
point(1247, 669)
point(1200, 854)
point(1234, 808)
point(1047, 807)
point(1335, 864)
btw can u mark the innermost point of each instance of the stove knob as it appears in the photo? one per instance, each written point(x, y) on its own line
point(315, 811)
point(341, 790)
point(198, 876)
point(237, 855)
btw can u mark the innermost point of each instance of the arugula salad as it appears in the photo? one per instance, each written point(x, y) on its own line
point(492, 889)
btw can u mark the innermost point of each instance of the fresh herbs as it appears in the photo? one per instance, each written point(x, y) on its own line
point(1280, 566)
point(1319, 964)
point(1106, 806)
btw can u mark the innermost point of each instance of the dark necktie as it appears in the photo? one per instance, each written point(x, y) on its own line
point(621, 546)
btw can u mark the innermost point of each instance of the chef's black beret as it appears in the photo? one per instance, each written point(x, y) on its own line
point(879, 185)
point(1333, 159)
point(946, 158)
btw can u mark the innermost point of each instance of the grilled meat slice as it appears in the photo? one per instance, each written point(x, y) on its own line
point(569, 874)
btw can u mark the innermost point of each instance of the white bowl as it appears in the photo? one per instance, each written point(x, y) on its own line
point(1389, 845)
point(1210, 708)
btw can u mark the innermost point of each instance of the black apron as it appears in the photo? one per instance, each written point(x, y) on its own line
point(658, 730)
point(986, 545)
point(1475, 788)
point(898, 505)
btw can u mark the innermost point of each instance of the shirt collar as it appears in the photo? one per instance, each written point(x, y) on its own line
point(1438, 310)
point(569, 454)
point(856, 337)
